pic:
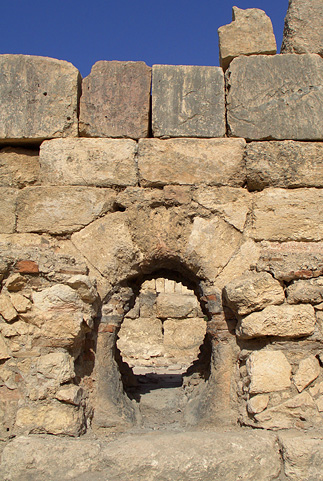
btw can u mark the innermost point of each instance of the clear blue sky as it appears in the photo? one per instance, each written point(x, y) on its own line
point(83, 32)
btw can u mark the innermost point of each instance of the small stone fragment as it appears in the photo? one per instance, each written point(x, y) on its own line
point(7, 310)
point(268, 371)
point(308, 371)
point(4, 351)
point(70, 394)
point(258, 403)
point(27, 267)
point(83, 285)
point(15, 283)
point(21, 303)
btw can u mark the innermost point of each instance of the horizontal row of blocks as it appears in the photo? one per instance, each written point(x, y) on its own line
point(260, 97)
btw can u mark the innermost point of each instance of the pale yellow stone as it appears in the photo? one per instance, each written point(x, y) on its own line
point(268, 371)
point(258, 403)
point(20, 302)
point(4, 351)
point(7, 310)
point(70, 394)
point(56, 365)
point(308, 370)
point(184, 335)
point(15, 282)
point(176, 305)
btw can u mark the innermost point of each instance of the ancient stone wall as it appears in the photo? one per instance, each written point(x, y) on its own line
point(217, 185)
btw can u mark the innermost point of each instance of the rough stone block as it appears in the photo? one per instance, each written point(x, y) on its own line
point(275, 97)
point(59, 210)
point(268, 371)
point(184, 335)
point(176, 306)
point(39, 98)
point(308, 370)
point(57, 366)
point(253, 291)
point(282, 321)
point(309, 291)
point(18, 167)
point(4, 351)
point(286, 215)
point(7, 311)
point(188, 101)
point(285, 163)
point(257, 403)
point(302, 455)
point(303, 30)
point(115, 100)
point(92, 162)
point(249, 33)
point(8, 199)
point(191, 161)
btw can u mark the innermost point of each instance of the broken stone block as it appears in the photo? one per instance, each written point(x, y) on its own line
point(284, 163)
point(188, 101)
point(59, 210)
point(7, 311)
point(70, 394)
point(191, 162)
point(269, 371)
point(84, 287)
point(15, 282)
point(303, 30)
point(249, 33)
point(8, 198)
point(18, 167)
point(56, 365)
point(91, 162)
point(286, 215)
point(39, 98)
point(275, 97)
point(308, 370)
point(20, 302)
point(309, 291)
point(281, 321)
point(115, 100)
point(257, 403)
point(253, 291)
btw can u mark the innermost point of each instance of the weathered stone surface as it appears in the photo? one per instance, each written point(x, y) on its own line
point(92, 162)
point(160, 456)
point(70, 394)
point(15, 282)
point(57, 366)
point(285, 215)
point(281, 321)
point(303, 455)
point(84, 287)
point(115, 100)
point(268, 371)
point(191, 161)
point(303, 27)
point(39, 98)
point(308, 370)
point(188, 101)
point(60, 210)
point(184, 336)
point(257, 403)
point(8, 198)
point(309, 291)
point(253, 291)
point(176, 306)
point(20, 302)
point(18, 167)
point(4, 351)
point(7, 311)
point(284, 163)
point(298, 412)
point(249, 33)
point(275, 97)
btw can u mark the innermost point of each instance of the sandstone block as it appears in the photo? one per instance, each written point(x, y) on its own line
point(182, 335)
point(258, 403)
point(57, 366)
point(59, 210)
point(188, 101)
point(308, 371)
point(176, 306)
point(18, 167)
point(249, 33)
point(303, 27)
point(8, 199)
point(268, 371)
point(92, 162)
point(285, 215)
point(309, 291)
point(253, 291)
point(39, 98)
point(284, 163)
point(303, 455)
point(275, 97)
point(281, 321)
point(70, 394)
point(115, 100)
point(7, 311)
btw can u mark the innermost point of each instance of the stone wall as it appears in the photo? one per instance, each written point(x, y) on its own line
point(222, 189)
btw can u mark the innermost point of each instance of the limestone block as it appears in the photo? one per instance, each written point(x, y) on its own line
point(59, 210)
point(55, 418)
point(8, 199)
point(58, 297)
point(191, 162)
point(147, 303)
point(253, 291)
point(7, 311)
point(249, 33)
point(84, 287)
point(92, 162)
point(285, 215)
point(188, 101)
point(176, 305)
point(115, 100)
point(184, 335)
point(308, 371)
point(268, 371)
point(275, 97)
point(4, 351)
point(303, 27)
point(57, 365)
point(70, 394)
point(20, 302)
point(39, 98)
point(302, 454)
point(297, 412)
point(309, 291)
point(284, 163)
point(282, 321)
point(257, 403)
point(18, 167)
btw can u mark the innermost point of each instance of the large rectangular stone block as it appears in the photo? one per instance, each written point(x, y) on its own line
point(188, 101)
point(38, 98)
point(276, 97)
point(95, 162)
point(115, 100)
point(191, 161)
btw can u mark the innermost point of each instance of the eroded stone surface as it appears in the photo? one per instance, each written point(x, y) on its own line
point(308, 370)
point(303, 456)
point(8, 199)
point(306, 291)
point(268, 371)
point(18, 167)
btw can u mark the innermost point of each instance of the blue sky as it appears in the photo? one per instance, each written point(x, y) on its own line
point(83, 32)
